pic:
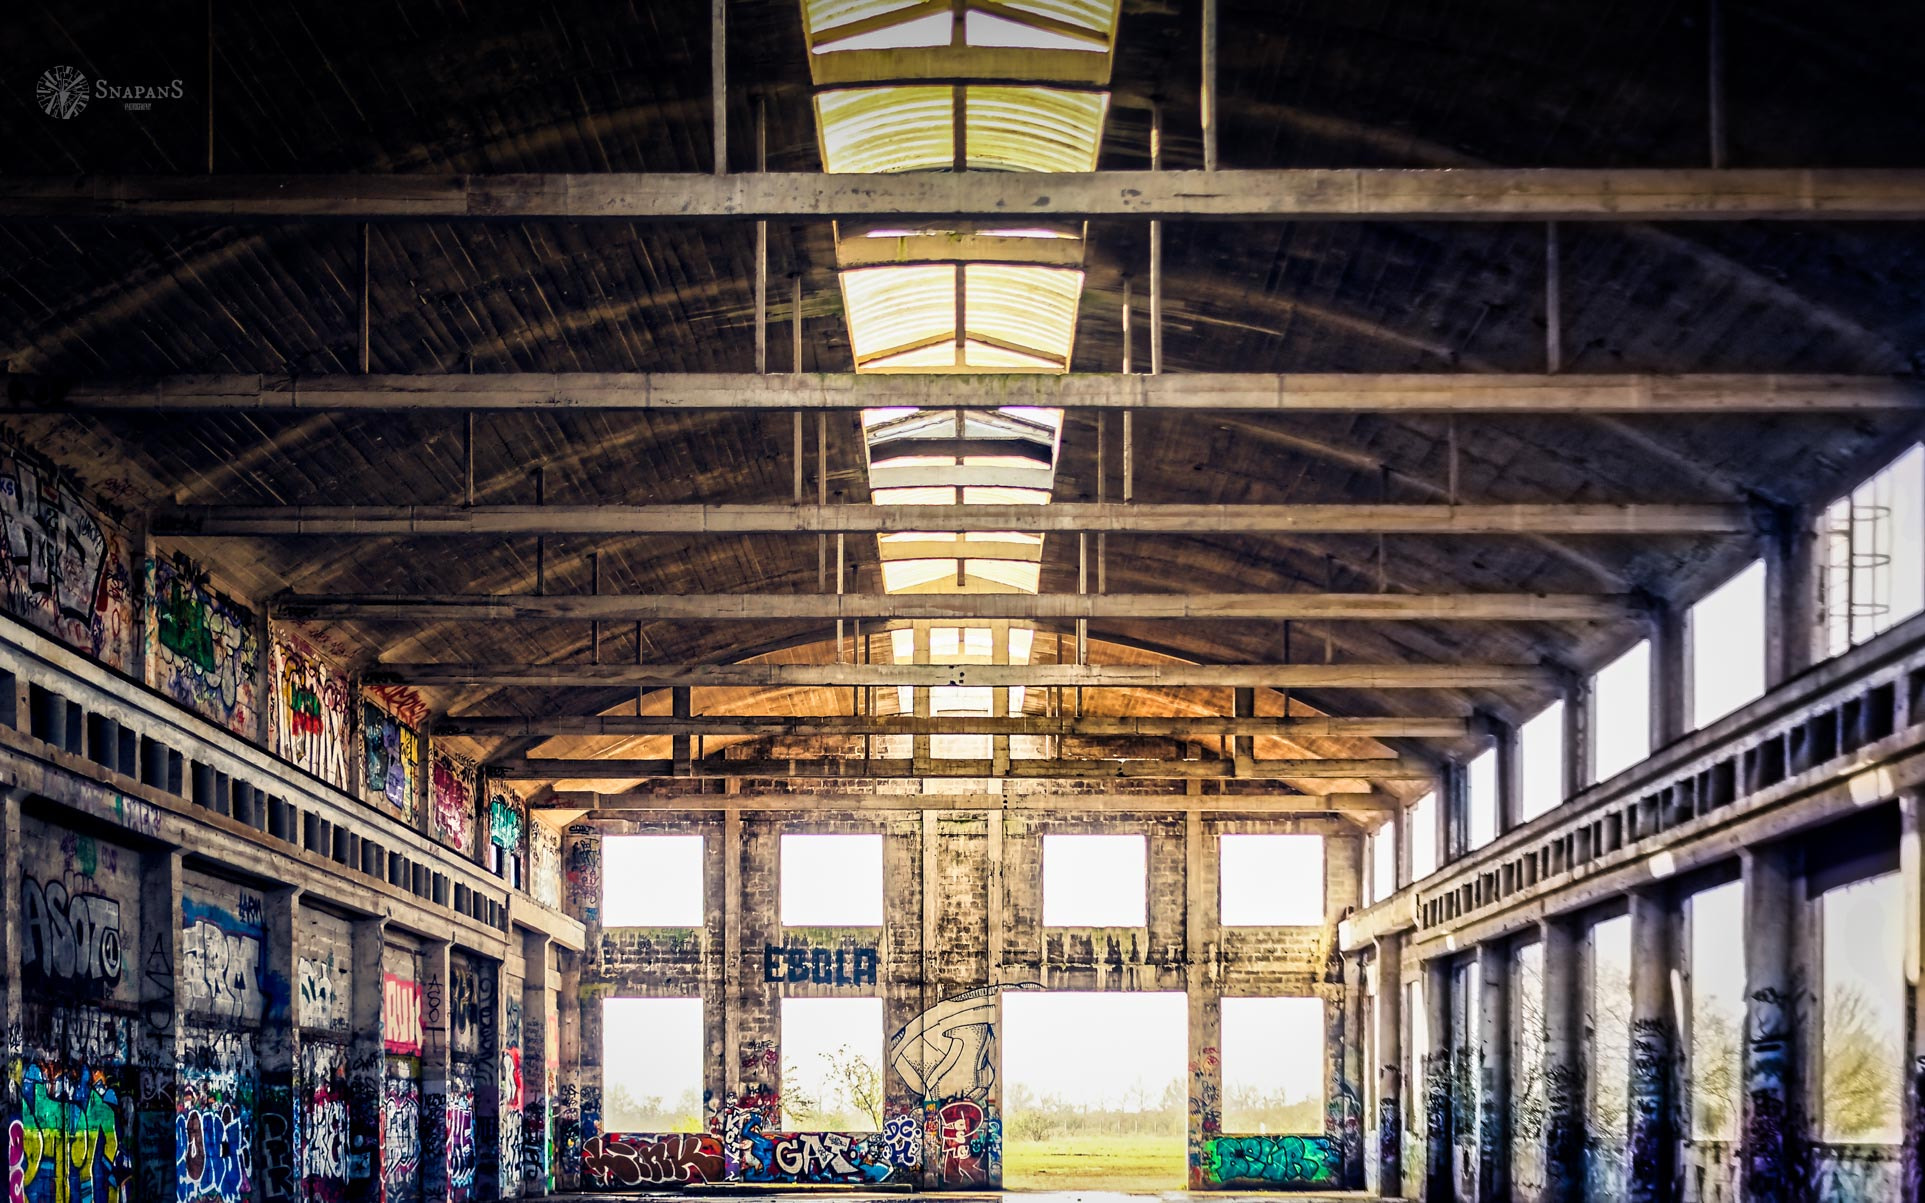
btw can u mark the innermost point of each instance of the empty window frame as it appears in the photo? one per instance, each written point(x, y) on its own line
point(1421, 826)
point(1862, 1012)
point(1541, 747)
point(651, 881)
point(832, 1064)
point(1874, 549)
point(1272, 1053)
point(1270, 880)
point(1728, 646)
point(652, 1051)
point(1621, 712)
point(1095, 881)
point(1383, 862)
point(831, 880)
point(1480, 788)
point(1714, 920)
point(1608, 1022)
point(1531, 1103)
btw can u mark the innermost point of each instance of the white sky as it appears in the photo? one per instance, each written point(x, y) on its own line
point(1541, 741)
point(1421, 828)
point(1728, 646)
point(831, 880)
point(1621, 702)
point(1271, 879)
point(1095, 880)
point(1091, 1049)
point(1717, 964)
point(1267, 1043)
point(653, 1046)
point(1864, 947)
point(1482, 783)
point(652, 881)
point(1383, 863)
point(813, 1028)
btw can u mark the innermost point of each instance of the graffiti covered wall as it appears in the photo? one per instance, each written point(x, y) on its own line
point(311, 709)
point(65, 567)
point(404, 1039)
point(390, 761)
point(507, 818)
point(204, 647)
point(451, 801)
point(544, 862)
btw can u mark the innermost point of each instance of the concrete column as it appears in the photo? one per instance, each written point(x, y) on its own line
point(1388, 957)
point(1670, 675)
point(926, 970)
point(1453, 813)
point(366, 1062)
point(568, 1114)
point(1791, 595)
point(1563, 1008)
point(1494, 1077)
point(1578, 752)
point(437, 1030)
point(490, 1001)
point(278, 1053)
point(1510, 775)
point(1654, 1130)
point(11, 947)
point(535, 1117)
point(1205, 1108)
point(158, 1046)
point(1400, 826)
point(1439, 1186)
point(1767, 1170)
point(1352, 1076)
point(728, 1077)
point(1911, 859)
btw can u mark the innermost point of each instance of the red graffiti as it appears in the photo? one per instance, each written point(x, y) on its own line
point(400, 1014)
point(673, 1160)
point(963, 1143)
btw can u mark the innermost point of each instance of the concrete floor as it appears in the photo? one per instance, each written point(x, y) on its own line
point(1050, 1196)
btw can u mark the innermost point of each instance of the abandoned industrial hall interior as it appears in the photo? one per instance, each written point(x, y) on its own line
point(843, 597)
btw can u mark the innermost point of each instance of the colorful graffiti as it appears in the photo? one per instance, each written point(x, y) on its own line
point(323, 1131)
point(969, 1142)
point(391, 761)
point(506, 818)
point(583, 872)
point(460, 1130)
point(840, 1157)
point(400, 1136)
point(221, 959)
point(310, 720)
point(616, 1159)
point(451, 795)
point(206, 647)
point(73, 941)
point(1272, 1160)
point(73, 1138)
point(401, 1030)
point(64, 567)
point(214, 1118)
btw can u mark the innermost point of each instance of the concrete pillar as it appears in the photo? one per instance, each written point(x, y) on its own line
point(437, 1029)
point(1510, 775)
point(367, 1063)
point(12, 1017)
point(1911, 860)
point(1351, 1075)
point(568, 1115)
point(1453, 813)
point(1400, 827)
point(1563, 1009)
point(1792, 631)
point(1493, 1079)
point(535, 1117)
point(158, 1046)
point(1670, 674)
point(931, 920)
point(278, 1053)
point(490, 1002)
point(1388, 957)
point(1652, 1175)
point(1438, 1180)
point(1768, 1130)
point(1578, 752)
point(1205, 1107)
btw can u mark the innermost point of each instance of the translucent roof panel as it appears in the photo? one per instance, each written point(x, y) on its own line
point(1094, 17)
point(1032, 129)
point(827, 20)
point(1023, 309)
point(984, 357)
point(892, 309)
point(987, 29)
point(1021, 317)
point(888, 129)
point(932, 30)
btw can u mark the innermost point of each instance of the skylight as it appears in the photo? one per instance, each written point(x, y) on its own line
point(845, 25)
point(911, 127)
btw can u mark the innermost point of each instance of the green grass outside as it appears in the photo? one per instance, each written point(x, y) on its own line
point(1106, 1162)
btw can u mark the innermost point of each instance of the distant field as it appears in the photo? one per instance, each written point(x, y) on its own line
point(1111, 1162)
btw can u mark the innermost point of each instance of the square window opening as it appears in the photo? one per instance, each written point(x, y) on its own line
point(831, 880)
point(1273, 1065)
point(651, 881)
point(1271, 880)
point(832, 1064)
point(1095, 881)
point(652, 1052)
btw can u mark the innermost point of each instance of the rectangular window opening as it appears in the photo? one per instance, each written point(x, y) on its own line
point(1095, 881)
point(1621, 712)
point(651, 881)
point(1862, 1021)
point(1480, 779)
point(652, 1052)
point(1727, 630)
point(1272, 1053)
point(832, 1064)
point(1715, 919)
point(1542, 748)
point(1271, 880)
point(831, 880)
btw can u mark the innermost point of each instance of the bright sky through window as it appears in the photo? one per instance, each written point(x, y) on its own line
point(1421, 825)
point(1541, 743)
point(831, 1064)
point(652, 881)
point(1271, 879)
point(1383, 862)
point(1728, 646)
point(1717, 965)
point(831, 880)
point(652, 1055)
point(1875, 553)
point(1095, 880)
point(1481, 782)
point(1621, 712)
point(1272, 1054)
point(1112, 1051)
point(1862, 1025)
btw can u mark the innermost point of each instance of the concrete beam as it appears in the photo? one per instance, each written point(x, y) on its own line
point(1329, 392)
point(1389, 768)
point(1110, 517)
point(1285, 194)
point(1087, 726)
point(766, 607)
point(612, 805)
point(1034, 676)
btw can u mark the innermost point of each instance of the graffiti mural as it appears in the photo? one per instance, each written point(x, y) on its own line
point(583, 873)
point(205, 647)
point(391, 761)
point(826, 1157)
point(72, 941)
point(400, 1136)
point(544, 863)
point(969, 1140)
point(310, 719)
point(214, 1117)
point(616, 1159)
point(507, 815)
point(221, 959)
point(324, 1122)
point(1272, 1160)
point(400, 1014)
point(451, 801)
point(323, 1002)
point(64, 566)
point(73, 1139)
point(949, 1051)
point(460, 1128)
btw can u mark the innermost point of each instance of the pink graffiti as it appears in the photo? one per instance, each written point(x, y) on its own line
point(400, 1014)
point(16, 1162)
